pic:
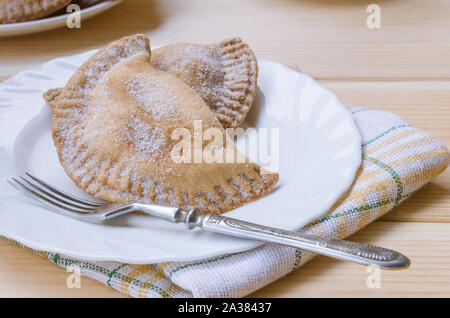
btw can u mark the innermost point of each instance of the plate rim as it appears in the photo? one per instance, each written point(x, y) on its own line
point(8, 30)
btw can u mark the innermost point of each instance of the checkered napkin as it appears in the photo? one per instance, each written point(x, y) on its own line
point(397, 160)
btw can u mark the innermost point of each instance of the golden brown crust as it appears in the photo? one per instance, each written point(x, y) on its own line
point(51, 97)
point(113, 124)
point(224, 74)
point(14, 11)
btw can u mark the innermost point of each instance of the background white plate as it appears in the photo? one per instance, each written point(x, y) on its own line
point(320, 151)
point(53, 22)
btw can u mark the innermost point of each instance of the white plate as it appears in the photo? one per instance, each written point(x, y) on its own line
point(320, 151)
point(53, 22)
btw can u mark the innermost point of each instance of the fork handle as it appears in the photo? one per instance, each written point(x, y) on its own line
point(345, 250)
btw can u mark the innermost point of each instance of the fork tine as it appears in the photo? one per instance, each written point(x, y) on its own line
point(12, 183)
point(61, 193)
point(55, 198)
point(44, 200)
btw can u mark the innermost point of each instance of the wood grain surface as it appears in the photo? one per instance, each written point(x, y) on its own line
point(403, 67)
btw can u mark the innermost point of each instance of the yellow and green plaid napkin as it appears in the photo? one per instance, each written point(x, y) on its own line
point(397, 160)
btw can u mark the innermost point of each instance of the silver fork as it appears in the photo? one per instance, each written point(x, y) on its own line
point(80, 209)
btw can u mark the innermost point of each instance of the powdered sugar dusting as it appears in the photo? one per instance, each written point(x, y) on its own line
point(110, 56)
point(155, 96)
point(223, 75)
point(149, 141)
point(199, 66)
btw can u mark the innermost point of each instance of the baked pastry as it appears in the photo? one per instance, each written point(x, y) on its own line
point(51, 97)
point(113, 127)
point(223, 74)
point(14, 11)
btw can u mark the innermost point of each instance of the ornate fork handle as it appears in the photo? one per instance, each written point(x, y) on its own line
point(356, 252)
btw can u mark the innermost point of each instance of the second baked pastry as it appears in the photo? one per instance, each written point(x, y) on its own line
point(223, 74)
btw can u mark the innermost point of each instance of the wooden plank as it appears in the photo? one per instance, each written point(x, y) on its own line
point(425, 105)
point(325, 39)
point(25, 274)
point(426, 244)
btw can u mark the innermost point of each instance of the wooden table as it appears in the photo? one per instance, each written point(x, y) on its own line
point(403, 67)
